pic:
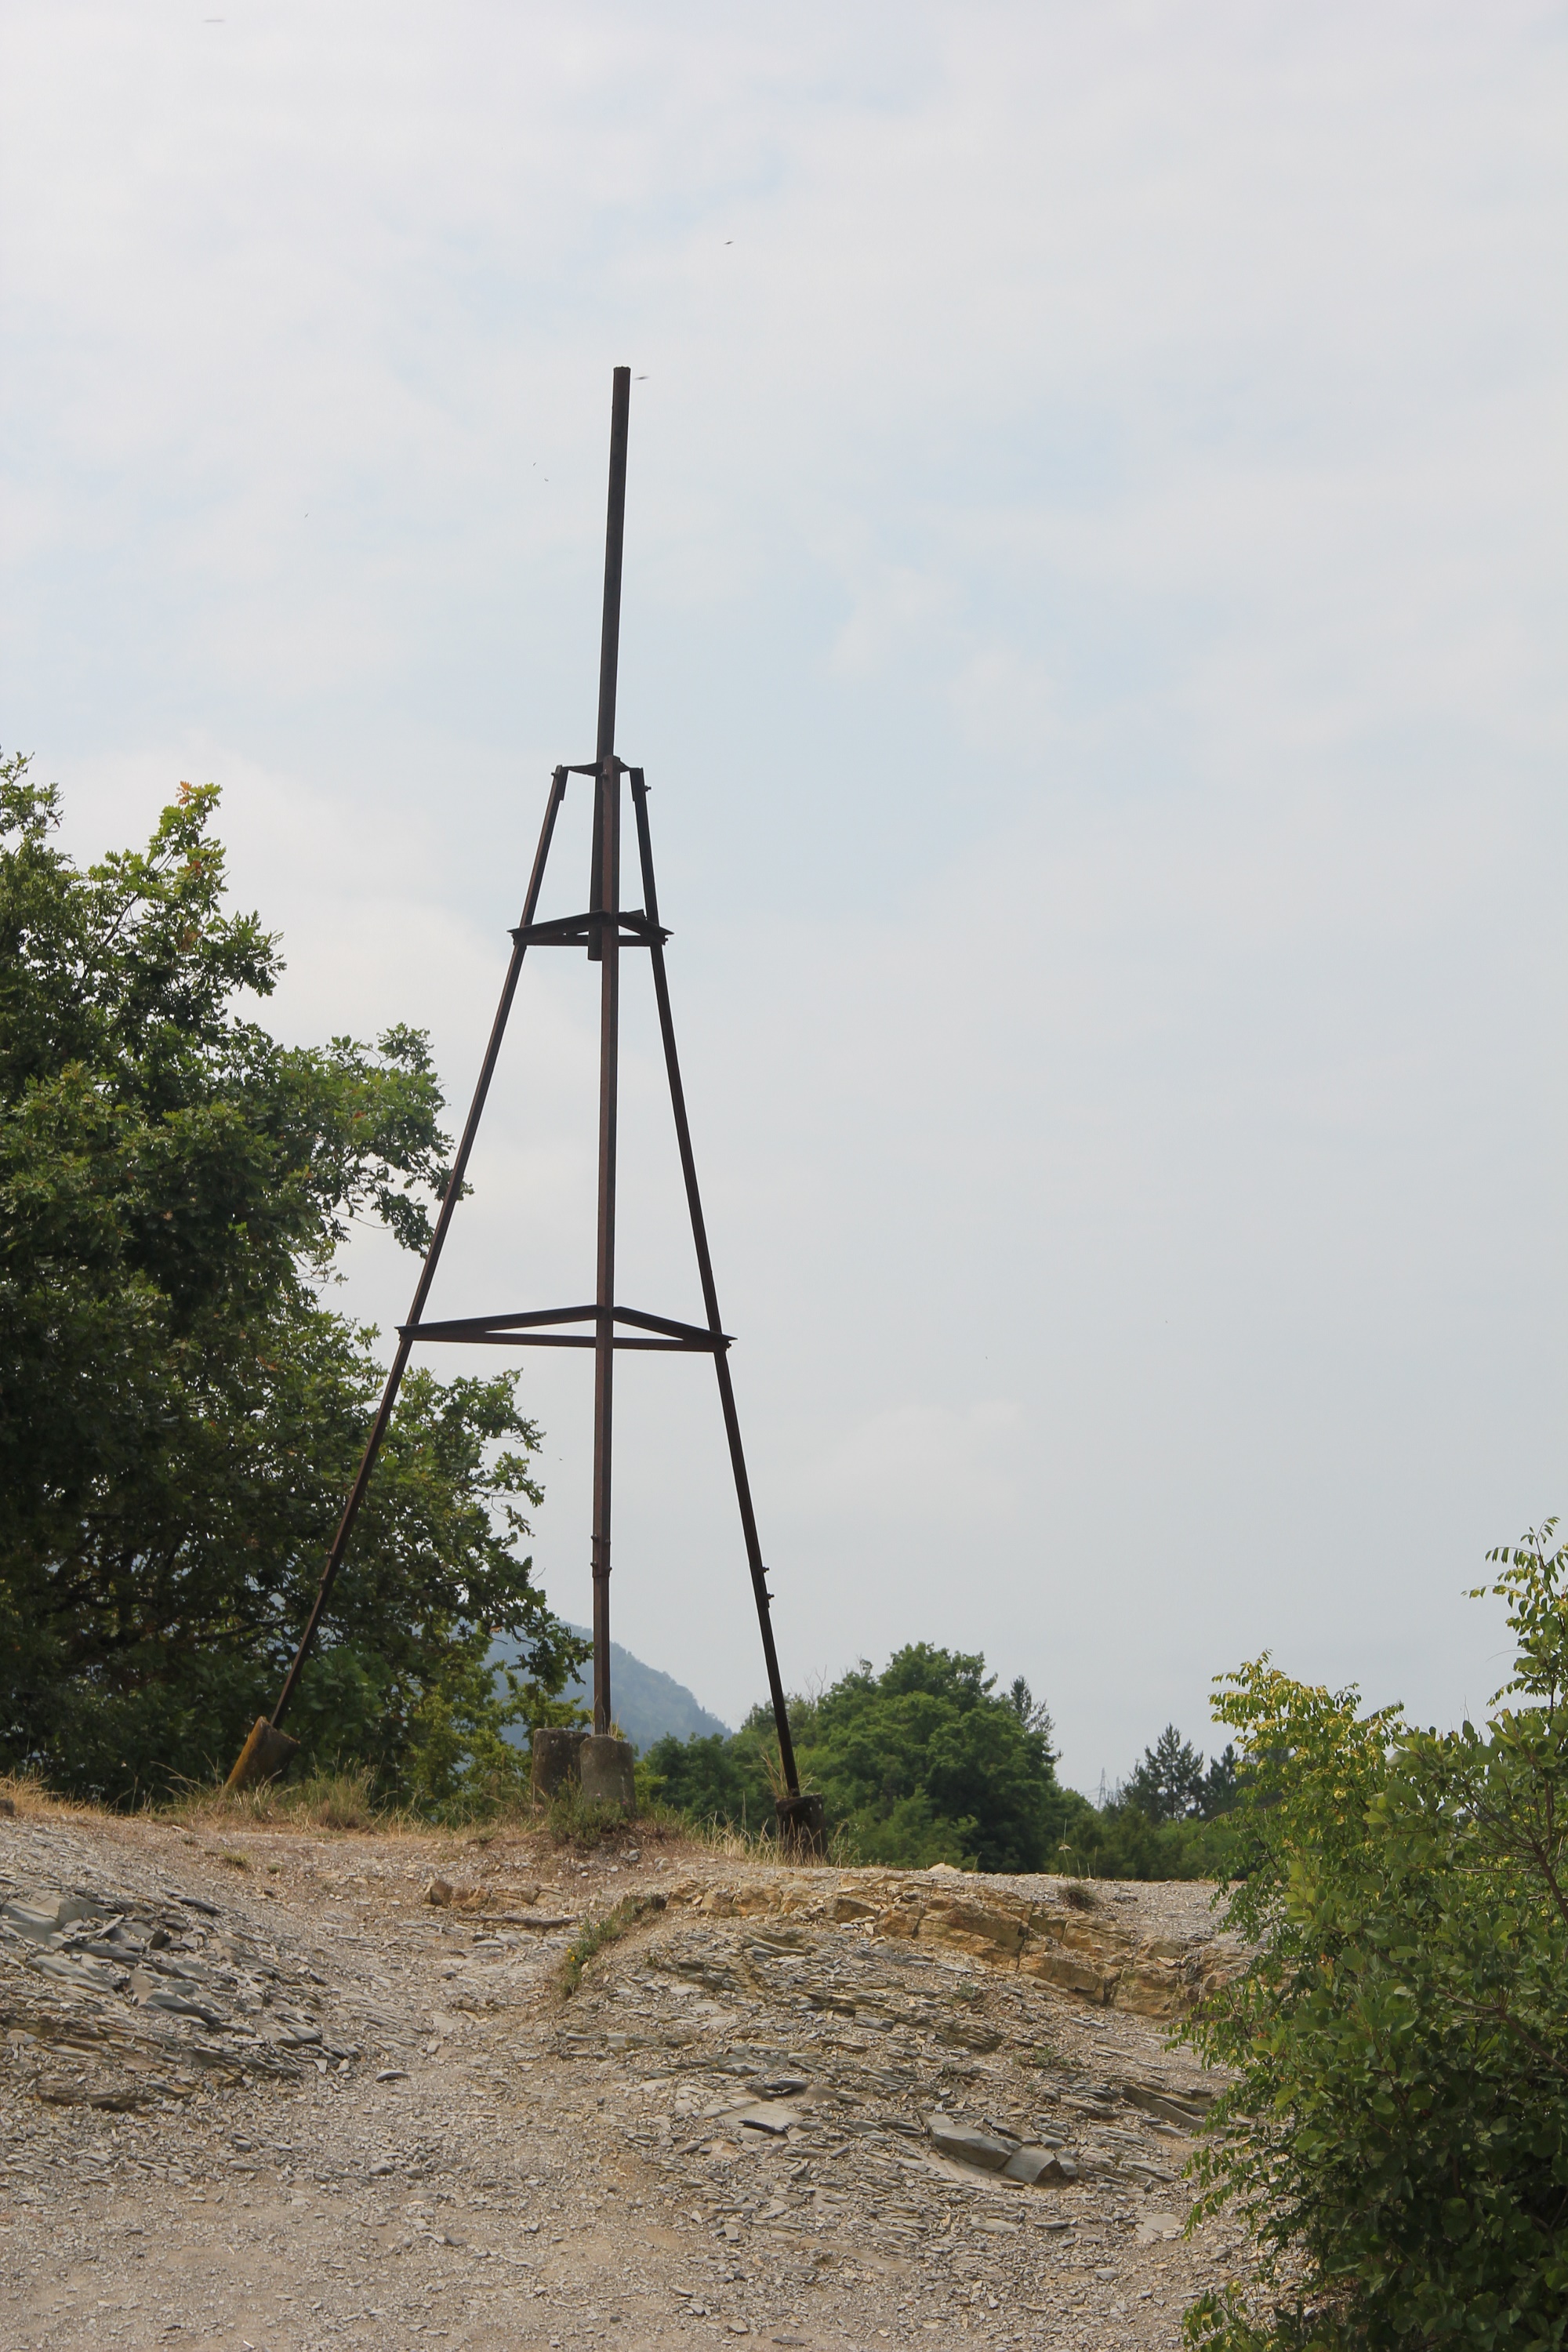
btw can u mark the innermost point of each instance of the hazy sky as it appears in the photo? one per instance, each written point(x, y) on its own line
point(1093, 627)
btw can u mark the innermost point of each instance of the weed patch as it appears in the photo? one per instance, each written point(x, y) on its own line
point(593, 1935)
point(577, 1821)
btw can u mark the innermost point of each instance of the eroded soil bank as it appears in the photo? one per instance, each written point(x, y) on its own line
point(259, 2094)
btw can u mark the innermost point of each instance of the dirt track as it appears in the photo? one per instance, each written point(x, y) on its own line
point(286, 2102)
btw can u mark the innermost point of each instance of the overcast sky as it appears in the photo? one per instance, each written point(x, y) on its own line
point(1093, 626)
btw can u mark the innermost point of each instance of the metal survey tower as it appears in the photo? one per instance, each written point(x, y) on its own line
point(604, 930)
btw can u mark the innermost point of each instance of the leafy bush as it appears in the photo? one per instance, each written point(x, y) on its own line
point(584, 1823)
point(1397, 2135)
point(713, 1777)
point(180, 1414)
point(1119, 1841)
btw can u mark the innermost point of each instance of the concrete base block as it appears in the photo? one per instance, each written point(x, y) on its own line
point(607, 1771)
point(557, 1758)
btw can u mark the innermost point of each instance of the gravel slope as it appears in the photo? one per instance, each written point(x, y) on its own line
point(323, 2111)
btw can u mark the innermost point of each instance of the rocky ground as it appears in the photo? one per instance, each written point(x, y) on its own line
point(261, 2093)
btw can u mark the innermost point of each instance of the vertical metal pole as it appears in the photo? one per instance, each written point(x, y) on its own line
point(605, 936)
point(605, 1294)
point(610, 631)
point(710, 1294)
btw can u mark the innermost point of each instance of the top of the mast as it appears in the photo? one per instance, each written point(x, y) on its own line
point(614, 534)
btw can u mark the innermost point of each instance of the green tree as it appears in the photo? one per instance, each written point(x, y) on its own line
point(179, 1410)
point(1119, 1841)
point(1032, 1713)
point(1222, 1785)
point(924, 1763)
point(714, 1777)
point(1398, 2132)
point(1171, 1782)
point(1168, 1784)
point(1166, 1820)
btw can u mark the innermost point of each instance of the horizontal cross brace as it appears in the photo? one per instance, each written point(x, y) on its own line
point(634, 930)
point(560, 1339)
point(521, 1330)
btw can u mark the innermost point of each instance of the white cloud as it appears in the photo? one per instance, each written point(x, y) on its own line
point(927, 1466)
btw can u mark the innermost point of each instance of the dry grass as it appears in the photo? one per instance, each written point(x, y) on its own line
point(732, 1844)
point(342, 1803)
point(22, 1795)
point(324, 1800)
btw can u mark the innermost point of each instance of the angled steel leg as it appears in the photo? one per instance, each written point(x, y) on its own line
point(432, 1259)
point(710, 1294)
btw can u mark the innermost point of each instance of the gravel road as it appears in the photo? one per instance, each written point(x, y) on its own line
point(260, 2094)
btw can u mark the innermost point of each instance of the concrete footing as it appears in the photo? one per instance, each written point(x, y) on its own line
point(557, 1758)
point(606, 1772)
point(597, 1762)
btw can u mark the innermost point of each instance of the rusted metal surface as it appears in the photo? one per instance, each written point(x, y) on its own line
point(449, 1199)
point(710, 1293)
point(265, 1755)
point(604, 900)
point(579, 931)
point(604, 931)
point(517, 1328)
point(609, 939)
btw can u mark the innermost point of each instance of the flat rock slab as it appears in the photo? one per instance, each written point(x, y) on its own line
point(766, 2115)
point(966, 2146)
point(1032, 2165)
point(1056, 1932)
point(131, 1981)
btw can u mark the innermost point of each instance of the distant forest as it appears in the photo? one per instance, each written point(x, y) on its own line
point(929, 1761)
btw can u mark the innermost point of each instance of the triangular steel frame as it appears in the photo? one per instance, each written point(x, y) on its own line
point(604, 930)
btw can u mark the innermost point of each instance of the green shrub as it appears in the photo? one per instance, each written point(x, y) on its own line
point(583, 1822)
point(922, 1763)
point(593, 1935)
point(1398, 2135)
point(715, 1777)
point(1119, 1841)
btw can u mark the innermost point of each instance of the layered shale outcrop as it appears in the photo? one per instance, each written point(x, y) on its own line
point(1074, 1937)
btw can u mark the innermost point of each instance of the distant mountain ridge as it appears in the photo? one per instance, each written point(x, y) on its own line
point(649, 1704)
